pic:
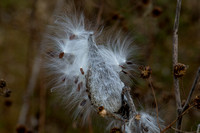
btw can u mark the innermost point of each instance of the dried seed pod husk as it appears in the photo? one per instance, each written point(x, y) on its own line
point(180, 70)
point(145, 72)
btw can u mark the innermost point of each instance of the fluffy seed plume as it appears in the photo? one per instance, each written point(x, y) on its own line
point(83, 73)
point(144, 123)
point(87, 74)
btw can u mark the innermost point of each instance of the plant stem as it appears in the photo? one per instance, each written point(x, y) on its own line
point(154, 95)
point(192, 89)
point(175, 61)
point(171, 124)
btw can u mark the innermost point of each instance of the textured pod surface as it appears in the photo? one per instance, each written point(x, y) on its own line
point(86, 75)
point(104, 83)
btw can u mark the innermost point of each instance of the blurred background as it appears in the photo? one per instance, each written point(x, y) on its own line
point(32, 107)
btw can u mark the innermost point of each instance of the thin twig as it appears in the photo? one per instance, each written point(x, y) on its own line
point(175, 61)
point(172, 123)
point(151, 86)
point(32, 79)
point(29, 92)
point(182, 131)
point(42, 106)
point(192, 89)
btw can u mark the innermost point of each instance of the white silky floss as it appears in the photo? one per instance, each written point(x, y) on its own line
point(86, 75)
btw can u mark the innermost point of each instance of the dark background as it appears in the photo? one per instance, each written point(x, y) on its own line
point(150, 23)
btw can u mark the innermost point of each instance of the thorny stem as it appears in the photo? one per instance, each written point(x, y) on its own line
point(151, 86)
point(175, 61)
point(171, 124)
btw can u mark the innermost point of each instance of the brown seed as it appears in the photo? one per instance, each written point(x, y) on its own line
point(80, 85)
point(61, 55)
point(72, 37)
point(82, 72)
